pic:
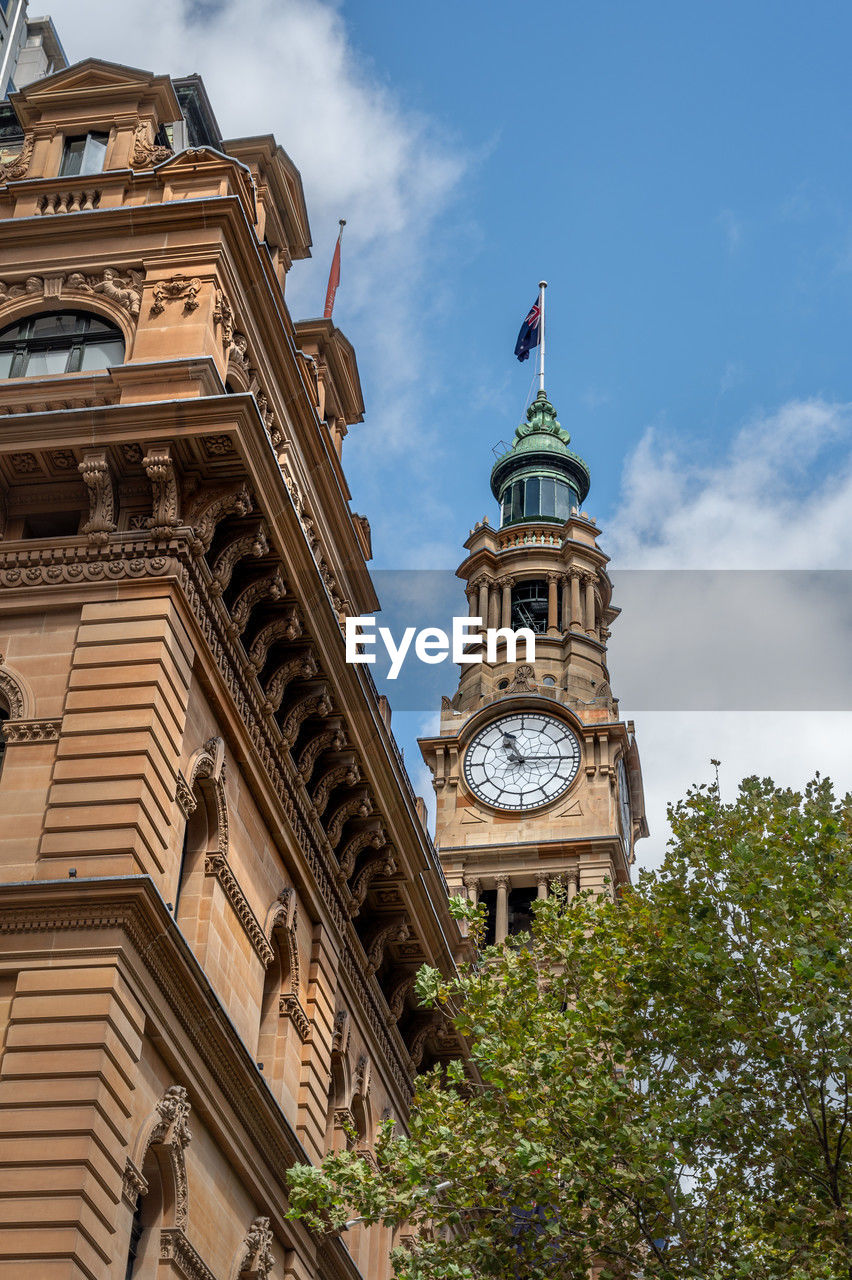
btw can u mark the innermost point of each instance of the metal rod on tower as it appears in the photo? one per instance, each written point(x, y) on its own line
point(542, 285)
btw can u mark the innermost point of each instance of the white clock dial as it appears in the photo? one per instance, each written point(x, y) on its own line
point(522, 761)
point(624, 804)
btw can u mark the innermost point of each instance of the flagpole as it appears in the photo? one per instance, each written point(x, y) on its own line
point(542, 285)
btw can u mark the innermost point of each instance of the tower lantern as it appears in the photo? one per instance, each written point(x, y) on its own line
point(539, 478)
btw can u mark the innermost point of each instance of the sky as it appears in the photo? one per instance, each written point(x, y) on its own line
point(679, 176)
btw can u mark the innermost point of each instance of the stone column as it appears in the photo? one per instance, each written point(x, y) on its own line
point(589, 583)
point(573, 878)
point(552, 607)
point(576, 621)
point(470, 592)
point(543, 881)
point(506, 611)
point(472, 886)
point(501, 923)
point(494, 607)
point(482, 611)
point(566, 603)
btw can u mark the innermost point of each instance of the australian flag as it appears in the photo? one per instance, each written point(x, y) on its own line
point(530, 335)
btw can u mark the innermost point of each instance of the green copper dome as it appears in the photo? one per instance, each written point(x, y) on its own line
point(539, 478)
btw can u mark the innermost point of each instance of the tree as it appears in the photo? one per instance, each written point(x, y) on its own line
point(660, 1084)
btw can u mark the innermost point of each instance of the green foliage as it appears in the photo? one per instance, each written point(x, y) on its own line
point(661, 1084)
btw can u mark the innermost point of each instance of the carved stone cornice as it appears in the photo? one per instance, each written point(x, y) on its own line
point(285, 628)
point(209, 506)
point(160, 470)
point(216, 864)
point(269, 587)
point(330, 738)
point(381, 864)
point(371, 837)
point(301, 666)
point(315, 703)
point(347, 774)
point(30, 731)
point(397, 929)
point(175, 1248)
point(253, 543)
point(290, 1006)
point(360, 806)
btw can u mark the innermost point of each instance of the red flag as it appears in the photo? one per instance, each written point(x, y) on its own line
point(333, 276)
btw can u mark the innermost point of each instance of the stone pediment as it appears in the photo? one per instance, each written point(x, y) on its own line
point(93, 89)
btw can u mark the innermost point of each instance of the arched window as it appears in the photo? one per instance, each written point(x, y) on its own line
point(529, 606)
point(63, 342)
point(143, 1251)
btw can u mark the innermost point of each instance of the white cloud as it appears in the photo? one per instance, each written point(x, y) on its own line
point(290, 68)
point(779, 497)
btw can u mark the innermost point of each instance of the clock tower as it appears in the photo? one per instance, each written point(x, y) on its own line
point(536, 775)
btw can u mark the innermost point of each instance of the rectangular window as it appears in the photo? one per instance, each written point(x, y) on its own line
point(84, 155)
point(518, 500)
point(548, 497)
point(563, 501)
point(532, 507)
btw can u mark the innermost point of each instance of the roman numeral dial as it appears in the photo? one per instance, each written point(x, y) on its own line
point(522, 761)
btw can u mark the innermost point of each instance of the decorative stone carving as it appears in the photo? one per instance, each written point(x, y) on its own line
point(212, 505)
point(175, 1248)
point(176, 289)
point(133, 1185)
point(223, 315)
point(287, 626)
point(360, 806)
point(347, 774)
point(238, 353)
point(185, 798)
point(97, 478)
point(382, 864)
point(371, 837)
point(13, 692)
point(290, 1006)
point(18, 166)
point(171, 1131)
point(397, 929)
point(331, 738)
point(270, 587)
point(399, 993)
point(524, 680)
point(253, 543)
point(216, 864)
point(22, 731)
point(417, 1044)
point(125, 289)
point(160, 470)
point(146, 154)
point(311, 704)
point(257, 1259)
point(341, 1033)
point(302, 665)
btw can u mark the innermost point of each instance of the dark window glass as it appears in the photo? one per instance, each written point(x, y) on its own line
point(548, 497)
point(529, 606)
point(506, 508)
point(520, 910)
point(84, 155)
point(65, 342)
point(518, 500)
point(564, 501)
point(532, 505)
point(488, 899)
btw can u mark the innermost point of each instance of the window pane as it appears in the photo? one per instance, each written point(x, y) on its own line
point(100, 355)
point(532, 505)
point(5, 363)
point(46, 362)
point(72, 157)
point(506, 508)
point(94, 153)
point(563, 501)
point(518, 500)
point(548, 497)
point(56, 326)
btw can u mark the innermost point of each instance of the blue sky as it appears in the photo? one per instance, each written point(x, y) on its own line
point(679, 174)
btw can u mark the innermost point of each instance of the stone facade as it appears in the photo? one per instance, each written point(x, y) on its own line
point(216, 882)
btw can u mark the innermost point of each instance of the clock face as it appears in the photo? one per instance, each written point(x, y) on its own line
point(522, 761)
point(624, 803)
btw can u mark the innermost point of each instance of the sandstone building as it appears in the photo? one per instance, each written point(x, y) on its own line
point(216, 882)
point(216, 885)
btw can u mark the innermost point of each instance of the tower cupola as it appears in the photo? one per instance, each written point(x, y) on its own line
point(539, 478)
